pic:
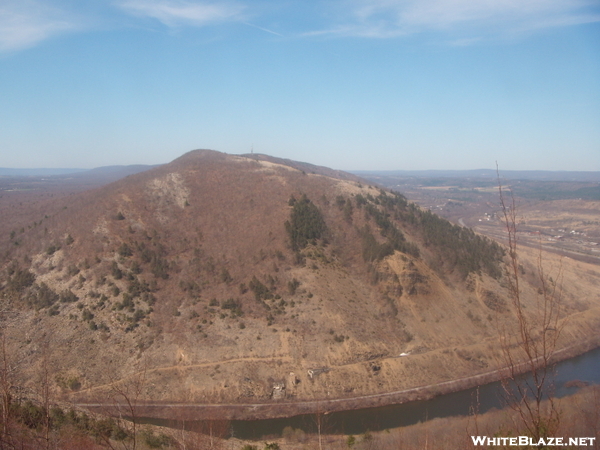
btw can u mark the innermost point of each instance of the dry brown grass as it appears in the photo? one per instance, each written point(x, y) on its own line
point(215, 222)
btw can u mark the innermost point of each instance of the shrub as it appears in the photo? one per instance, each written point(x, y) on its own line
point(360, 200)
point(137, 287)
point(225, 276)
point(104, 427)
point(293, 286)
point(261, 292)
point(29, 414)
point(136, 268)
point(115, 271)
point(127, 302)
point(41, 297)
point(156, 441)
point(160, 267)
point(291, 434)
point(348, 211)
point(350, 441)
point(67, 296)
point(72, 270)
point(150, 299)
point(74, 384)
point(230, 303)
point(234, 306)
point(21, 279)
point(87, 315)
point(138, 315)
point(124, 250)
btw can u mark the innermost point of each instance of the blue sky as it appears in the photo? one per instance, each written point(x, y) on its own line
point(349, 84)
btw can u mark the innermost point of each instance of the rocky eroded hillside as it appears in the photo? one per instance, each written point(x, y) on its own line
point(221, 278)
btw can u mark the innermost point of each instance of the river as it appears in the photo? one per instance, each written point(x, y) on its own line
point(584, 368)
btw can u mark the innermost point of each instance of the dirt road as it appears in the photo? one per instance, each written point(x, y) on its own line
point(274, 409)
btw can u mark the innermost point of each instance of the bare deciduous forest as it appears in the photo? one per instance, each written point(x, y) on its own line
point(169, 287)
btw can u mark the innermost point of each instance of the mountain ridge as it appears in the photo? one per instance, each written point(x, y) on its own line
point(218, 276)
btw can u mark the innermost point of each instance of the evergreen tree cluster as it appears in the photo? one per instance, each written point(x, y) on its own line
point(155, 257)
point(306, 223)
point(459, 248)
point(389, 230)
point(373, 250)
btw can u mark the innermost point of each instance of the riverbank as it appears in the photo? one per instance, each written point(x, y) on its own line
point(278, 409)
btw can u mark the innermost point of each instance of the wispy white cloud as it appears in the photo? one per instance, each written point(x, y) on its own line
point(263, 29)
point(25, 23)
point(391, 18)
point(179, 12)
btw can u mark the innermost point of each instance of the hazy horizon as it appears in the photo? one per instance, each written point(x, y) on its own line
point(46, 171)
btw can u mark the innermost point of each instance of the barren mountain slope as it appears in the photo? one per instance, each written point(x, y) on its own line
point(242, 279)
